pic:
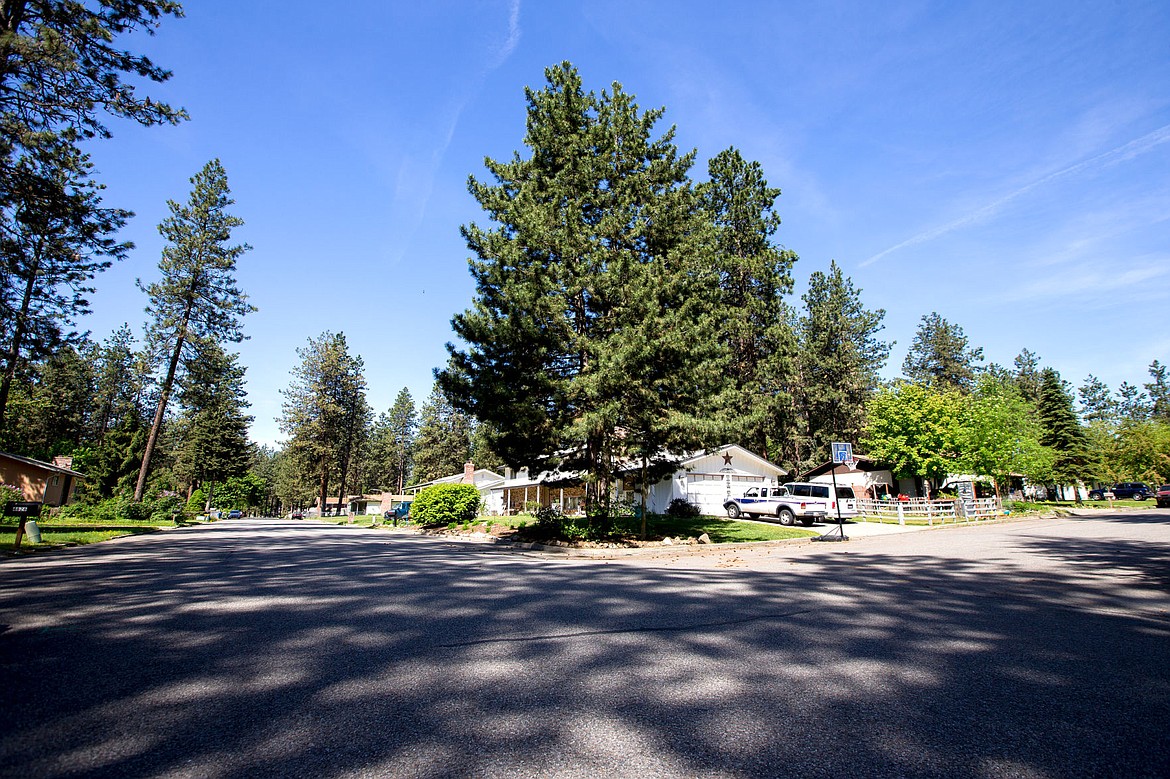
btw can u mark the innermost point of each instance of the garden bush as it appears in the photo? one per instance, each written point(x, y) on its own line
point(681, 507)
point(444, 503)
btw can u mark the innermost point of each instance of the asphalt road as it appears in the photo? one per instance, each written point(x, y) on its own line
point(1037, 648)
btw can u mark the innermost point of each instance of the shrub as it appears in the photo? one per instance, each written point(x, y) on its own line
point(445, 503)
point(164, 509)
point(551, 522)
point(10, 494)
point(132, 510)
point(681, 507)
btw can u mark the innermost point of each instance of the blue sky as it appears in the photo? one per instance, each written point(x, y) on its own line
point(1004, 164)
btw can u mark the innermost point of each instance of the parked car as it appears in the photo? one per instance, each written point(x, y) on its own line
point(297, 515)
point(777, 502)
point(235, 514)
point(1126, 490)
point(1163, 496)
point(824, 491)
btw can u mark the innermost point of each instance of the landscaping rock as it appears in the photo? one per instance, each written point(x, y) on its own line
point(668, 541)
point(704, 539)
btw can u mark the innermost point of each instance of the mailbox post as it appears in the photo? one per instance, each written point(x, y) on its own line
point(23, 511)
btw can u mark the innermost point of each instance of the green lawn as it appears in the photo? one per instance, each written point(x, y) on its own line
point(720, 530)
point(51, 538)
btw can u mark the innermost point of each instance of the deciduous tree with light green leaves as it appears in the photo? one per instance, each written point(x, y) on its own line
point(1000, 436)
point(918, 430)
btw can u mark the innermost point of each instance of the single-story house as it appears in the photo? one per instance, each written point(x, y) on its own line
point(868, 478)
point(706, 479)
point(485, 481)
point(53, 484)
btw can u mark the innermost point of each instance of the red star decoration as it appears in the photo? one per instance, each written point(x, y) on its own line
point(727, 459)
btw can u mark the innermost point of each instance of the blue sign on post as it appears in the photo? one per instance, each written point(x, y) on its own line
point(842, 452)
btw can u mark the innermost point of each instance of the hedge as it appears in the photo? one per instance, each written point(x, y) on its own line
point(444, 503)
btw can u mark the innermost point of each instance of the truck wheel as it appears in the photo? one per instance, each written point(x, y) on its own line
point(786, 517)
point(733, 511)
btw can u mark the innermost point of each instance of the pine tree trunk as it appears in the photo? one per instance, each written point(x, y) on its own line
point(18, 330)
point(324, 485)
point(164, 397)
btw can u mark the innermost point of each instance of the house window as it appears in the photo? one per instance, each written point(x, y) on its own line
point(748, 478)
point(56, 480)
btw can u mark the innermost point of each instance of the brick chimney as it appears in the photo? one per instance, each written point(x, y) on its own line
point(62, 461)
point(469, 472)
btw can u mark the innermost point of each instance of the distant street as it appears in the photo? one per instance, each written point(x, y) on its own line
point(1036, 648)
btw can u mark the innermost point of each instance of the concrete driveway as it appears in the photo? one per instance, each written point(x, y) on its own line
point(250, 648)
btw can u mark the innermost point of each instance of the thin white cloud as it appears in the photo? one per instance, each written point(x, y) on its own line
point(416, 177)
point(1123, 153)
point(1093, 279)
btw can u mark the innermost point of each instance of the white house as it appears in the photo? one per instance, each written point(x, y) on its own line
point(484, 480)
point(706, 479)
point(709, 478)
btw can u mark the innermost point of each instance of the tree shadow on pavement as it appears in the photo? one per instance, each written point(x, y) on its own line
point(279, 649)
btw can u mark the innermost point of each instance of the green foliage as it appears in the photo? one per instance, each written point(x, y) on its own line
point(840, 358)
point(1000, 435)
point(1061, 431)
point(445, 503)
point(753, 275)
point(325, 412)
point(10, 494)
point(392, 445)
point(196, 302)
point(940, 356)
point(593, 310)
point(681, 507)
point(916, 429)
point(443, 443)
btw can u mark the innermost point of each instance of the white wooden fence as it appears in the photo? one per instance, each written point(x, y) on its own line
point(933, 511)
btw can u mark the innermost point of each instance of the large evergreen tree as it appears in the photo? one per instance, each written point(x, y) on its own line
point(1158, 391)
point(591, 332)
point(54, 238)
point(392, 447)
point(325, 411)
point(755, 323)
point(212, 444)
point(196, 303)
point(443, 443)
point(840, 359)
point(62, 74)
point(940, 355)
point(1061, 430)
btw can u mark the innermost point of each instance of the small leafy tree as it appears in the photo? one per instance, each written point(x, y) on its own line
point(443, 503)
point(916, 429)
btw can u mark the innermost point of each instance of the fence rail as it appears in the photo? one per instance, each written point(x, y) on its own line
point(933, 511)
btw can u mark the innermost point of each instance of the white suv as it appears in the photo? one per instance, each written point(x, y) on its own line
point(778, 502)
point(822, 492)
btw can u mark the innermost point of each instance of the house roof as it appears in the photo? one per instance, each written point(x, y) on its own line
point(866, 464)
point(457, 478)
point(695, 457)
point(42, 465)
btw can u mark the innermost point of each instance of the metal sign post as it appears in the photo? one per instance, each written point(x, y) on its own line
point(842, 453)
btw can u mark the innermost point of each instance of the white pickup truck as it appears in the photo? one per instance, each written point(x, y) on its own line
point(777, 502)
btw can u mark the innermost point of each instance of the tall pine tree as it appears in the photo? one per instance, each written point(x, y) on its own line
point(840, 358)
point(755, 322)
point(940, 355)
point(591, 333)
point(196, 303)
